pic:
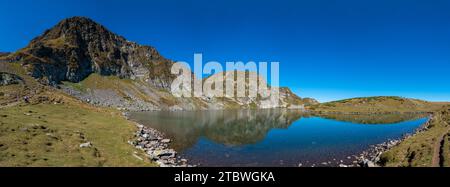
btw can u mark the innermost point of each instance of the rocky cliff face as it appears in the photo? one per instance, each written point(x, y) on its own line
point(95, 65)
point(8, 79)
point(77, 47)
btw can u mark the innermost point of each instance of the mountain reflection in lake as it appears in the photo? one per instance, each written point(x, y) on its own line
point(274, 137)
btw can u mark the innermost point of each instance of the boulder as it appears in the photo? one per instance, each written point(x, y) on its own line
point(165, 141)
point(87, 144)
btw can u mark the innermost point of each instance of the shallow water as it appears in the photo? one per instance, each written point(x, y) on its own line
point(274, 137)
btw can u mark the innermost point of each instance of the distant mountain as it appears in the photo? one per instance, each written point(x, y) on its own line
point(95, 65)
point(3, 54)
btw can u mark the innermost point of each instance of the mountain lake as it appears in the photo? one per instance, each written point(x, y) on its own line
point(275, 137)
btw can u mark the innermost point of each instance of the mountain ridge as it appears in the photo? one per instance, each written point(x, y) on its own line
point(71, 54)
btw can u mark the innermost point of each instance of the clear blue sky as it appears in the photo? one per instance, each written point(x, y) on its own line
point(327, 49)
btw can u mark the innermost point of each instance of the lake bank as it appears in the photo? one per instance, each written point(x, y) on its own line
point(372, 157)
point(428, 148)
point(157, 148)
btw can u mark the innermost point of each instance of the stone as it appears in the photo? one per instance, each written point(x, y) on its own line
point(148, 145)
point(87, 144)
point(168, 152)
point(370, 164)
point(165, 141)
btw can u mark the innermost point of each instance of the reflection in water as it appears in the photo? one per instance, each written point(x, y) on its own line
point(374, 118)
point(228, 127)
point(276, 137)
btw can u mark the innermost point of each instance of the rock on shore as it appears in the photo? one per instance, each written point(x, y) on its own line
point(153, 143)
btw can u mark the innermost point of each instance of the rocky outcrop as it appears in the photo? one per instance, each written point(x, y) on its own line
point(77, 47)
point(8, 79)
point(310, 101)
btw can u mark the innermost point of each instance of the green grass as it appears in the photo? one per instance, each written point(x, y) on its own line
point(418, 150)
point(77, 86)
point(374, 105)
point(49, 131)
point(113, 83)
point(446, 150)
point(50, 135)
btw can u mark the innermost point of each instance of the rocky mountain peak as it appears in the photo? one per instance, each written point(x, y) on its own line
point(77, 47)
point(81, 31)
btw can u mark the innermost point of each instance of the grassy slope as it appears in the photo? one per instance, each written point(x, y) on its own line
point(377, 105)
point(49, 131)
point(50, 135)
point(446, 150)
point(418, 150)
point(118, 86)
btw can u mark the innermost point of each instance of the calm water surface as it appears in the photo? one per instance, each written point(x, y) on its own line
point(274, 137)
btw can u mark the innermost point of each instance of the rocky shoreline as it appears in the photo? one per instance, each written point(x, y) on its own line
point(371, 157)
point(156, 147)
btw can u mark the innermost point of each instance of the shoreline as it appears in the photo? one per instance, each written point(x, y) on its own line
point(156, 146)
point(371, 156)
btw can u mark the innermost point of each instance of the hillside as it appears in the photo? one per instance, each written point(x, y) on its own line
point(49, 129)
point(374, 105)
point(95, 65)
point(3, 54)
point(77, 47)
point(430, 148)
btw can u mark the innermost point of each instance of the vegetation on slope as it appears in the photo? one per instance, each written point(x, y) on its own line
point(375, 105)
point(118, 91)
point(426, 148)
point(49, 129)
point(51, 135)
